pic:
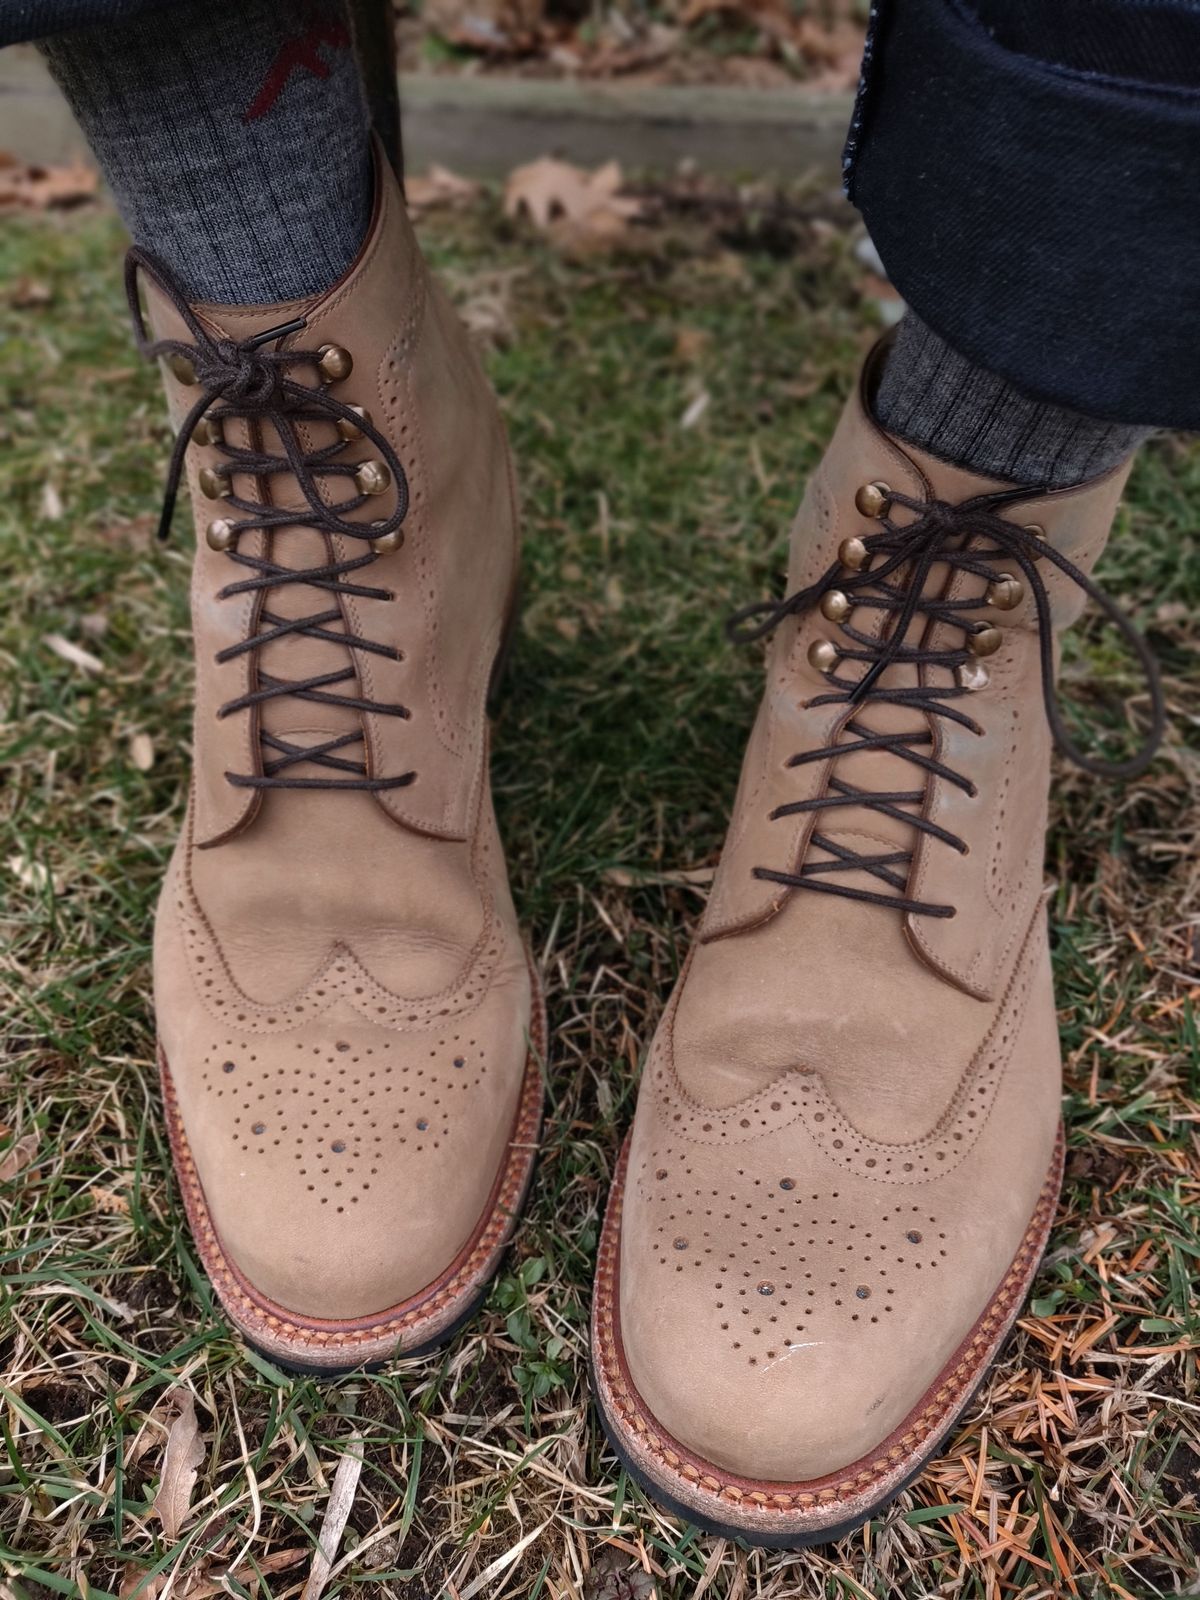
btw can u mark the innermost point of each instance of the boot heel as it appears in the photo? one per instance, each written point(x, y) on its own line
point(504, 653)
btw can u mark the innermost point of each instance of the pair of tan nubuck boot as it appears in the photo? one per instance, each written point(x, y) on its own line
point(847, 1148)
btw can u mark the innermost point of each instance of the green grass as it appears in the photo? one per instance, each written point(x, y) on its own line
point(618, 745)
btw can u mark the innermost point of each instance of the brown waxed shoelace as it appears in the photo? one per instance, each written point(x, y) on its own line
point(240, 380)
point(940, 533)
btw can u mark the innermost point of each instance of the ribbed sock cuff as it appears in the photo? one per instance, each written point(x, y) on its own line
point(235, 138)
point(934, 398)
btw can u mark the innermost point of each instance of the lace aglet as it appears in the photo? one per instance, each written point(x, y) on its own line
point(281, 332)
point(166, 516)
point(867, 682)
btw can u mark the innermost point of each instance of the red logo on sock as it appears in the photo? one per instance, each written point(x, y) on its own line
point(299, 54)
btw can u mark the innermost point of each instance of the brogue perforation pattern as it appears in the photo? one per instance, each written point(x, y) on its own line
point(780, 1265)
point(340, 1112)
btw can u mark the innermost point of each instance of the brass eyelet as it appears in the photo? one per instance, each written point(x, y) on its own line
point(1006, 593)
point(351, 430)
point(181, 367)
point(208, 431)
point(214, 483)
point(334, 363)
point(853, 553)
point(372, 477)
point(835, 605)
point(823, 655)
point(873, 499)
point(985, 641)
point(387, 542)
point(220, 534)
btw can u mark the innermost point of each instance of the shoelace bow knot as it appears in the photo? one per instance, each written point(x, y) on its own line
point(243, 380)
point(237, 373)
point(968, 537)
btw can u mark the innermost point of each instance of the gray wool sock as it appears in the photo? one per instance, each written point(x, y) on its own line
point(234, 135)
point(932, 397)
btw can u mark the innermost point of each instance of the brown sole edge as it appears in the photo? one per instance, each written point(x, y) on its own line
point(795, 1515)
point(413, 1326)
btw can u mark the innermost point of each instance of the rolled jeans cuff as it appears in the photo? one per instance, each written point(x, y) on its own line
point(1040, 218)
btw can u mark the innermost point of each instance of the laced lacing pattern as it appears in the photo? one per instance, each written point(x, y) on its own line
point(245, 381)
point(893, 576)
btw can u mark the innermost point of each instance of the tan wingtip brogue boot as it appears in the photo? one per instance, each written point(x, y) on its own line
point(349, 1024)
point(847, 1147)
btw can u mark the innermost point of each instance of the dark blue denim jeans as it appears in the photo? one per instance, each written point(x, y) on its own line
point(1028, 170)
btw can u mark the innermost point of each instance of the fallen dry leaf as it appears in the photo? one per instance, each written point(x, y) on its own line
point(692, 343)
point(488, 320)
point(181, 1462)
point(613, 1577)
point(801, 388)
point(494, 27)
point(484, 302)
point(27, 293)
point(34, 875)
point(129, 533)
point(109, 1201)
point(141, 751)
point(341, 1498)
point(545, 190)
point(836, 52)
point(247, 1574)
point(686, 877)
point(695, 11)
point(29, 186)
point(698, 405)
point(18, 1156)
point(439, 187)
point(135, 1583)
point(75, 654)
point(578, 208)
point(52, 506)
